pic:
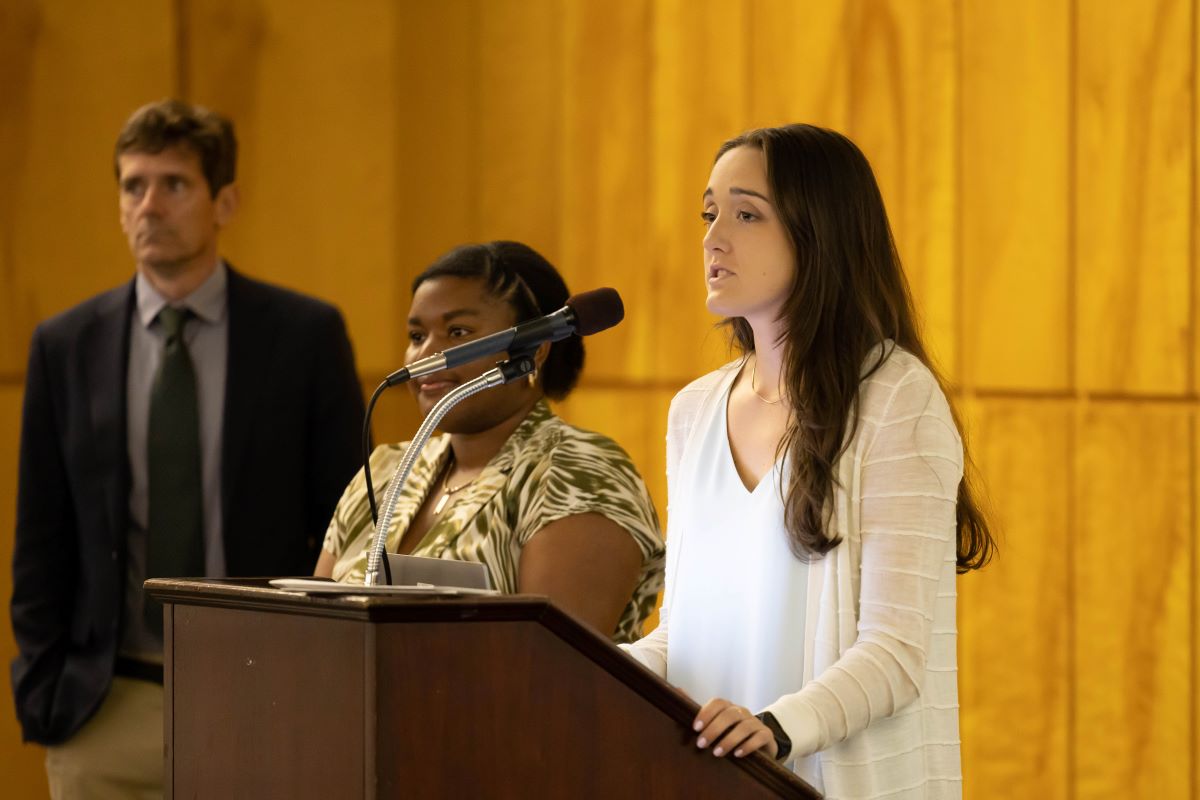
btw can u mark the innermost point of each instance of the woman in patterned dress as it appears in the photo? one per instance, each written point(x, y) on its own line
point(818, 512)
point(549, 508)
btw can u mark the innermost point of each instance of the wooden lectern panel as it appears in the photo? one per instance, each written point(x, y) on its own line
point(278, 694)
point(265, 705)
point(513, 699)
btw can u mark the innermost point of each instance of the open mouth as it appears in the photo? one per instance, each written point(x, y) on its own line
point(435, 387)
point(716, 273)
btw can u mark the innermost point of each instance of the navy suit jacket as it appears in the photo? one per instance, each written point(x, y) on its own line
point(293, 417)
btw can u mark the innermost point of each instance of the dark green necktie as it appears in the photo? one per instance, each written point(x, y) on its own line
point(175, 534)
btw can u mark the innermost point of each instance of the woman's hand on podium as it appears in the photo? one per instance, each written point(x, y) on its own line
point(733, 729)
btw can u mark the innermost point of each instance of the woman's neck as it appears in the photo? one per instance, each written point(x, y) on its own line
point(473, 451)
point(768, 367)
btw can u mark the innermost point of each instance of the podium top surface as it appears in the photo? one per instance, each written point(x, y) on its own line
point(258, 593)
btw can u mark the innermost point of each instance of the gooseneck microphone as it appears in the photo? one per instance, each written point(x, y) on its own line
point(584, 314)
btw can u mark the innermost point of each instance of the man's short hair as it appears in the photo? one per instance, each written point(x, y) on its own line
point(174, 123)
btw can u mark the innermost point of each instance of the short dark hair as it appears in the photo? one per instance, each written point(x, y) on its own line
point(520, 276)
point(174, 123)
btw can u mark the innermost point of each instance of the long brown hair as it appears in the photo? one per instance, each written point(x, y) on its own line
point(849, 295)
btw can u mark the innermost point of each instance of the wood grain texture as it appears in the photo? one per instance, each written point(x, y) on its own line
point(1039, 165)
point(1014, 190)
point(904, 96)
point(799, 63)
point(316, 136)
point(77, 71)
point(437, 153)
point(518, 121)
point(21, 765)
point(1134, 549)
point(607, 176)
point(1014, 616)
point(1133, 193)
point(699, 99)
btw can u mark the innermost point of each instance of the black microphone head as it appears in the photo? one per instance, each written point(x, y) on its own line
point(597, 310)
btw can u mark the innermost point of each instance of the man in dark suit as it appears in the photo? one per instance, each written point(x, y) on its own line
point(191, 422)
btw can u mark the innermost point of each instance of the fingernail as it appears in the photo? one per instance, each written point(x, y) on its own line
point(738, 753)
point(702, 742)
point(718, 751)
point(697, 725)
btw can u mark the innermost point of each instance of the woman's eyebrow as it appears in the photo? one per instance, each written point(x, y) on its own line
point(738, 190)
point(449, 315)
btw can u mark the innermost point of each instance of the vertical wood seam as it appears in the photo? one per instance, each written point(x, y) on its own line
point(1192, 199)
point(183, 88)
point(964, 380)
point(1071, 200)
point(1193, 261)
point(475, 103)
point(1073, 437)
point(1194, 572)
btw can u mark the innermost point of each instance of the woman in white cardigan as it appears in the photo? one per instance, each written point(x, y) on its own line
point(818, 513)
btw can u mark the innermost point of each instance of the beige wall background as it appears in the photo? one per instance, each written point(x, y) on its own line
point(1039, 162)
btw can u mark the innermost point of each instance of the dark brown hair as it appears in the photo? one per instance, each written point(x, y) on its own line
point(520, 276)
point(849, 296)
point(173, 123)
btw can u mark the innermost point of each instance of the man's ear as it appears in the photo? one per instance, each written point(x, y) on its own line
point(226, 203)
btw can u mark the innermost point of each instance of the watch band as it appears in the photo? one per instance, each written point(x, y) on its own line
point(783, 744)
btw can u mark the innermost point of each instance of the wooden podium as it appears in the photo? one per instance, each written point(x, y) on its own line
point(271, 693)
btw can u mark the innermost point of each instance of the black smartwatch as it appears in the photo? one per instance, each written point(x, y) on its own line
point(783, 744)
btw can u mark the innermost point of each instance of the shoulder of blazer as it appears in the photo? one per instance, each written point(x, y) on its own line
point(267, 298)
point(106, 306)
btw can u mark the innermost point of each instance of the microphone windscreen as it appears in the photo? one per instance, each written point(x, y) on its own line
point(597, 310)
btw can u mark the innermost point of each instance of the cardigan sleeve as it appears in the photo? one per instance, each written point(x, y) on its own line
point(910, 470)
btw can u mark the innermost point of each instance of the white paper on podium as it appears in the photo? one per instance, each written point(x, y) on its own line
point(314, 586)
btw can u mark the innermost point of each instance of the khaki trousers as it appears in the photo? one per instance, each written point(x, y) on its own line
point(118, 753)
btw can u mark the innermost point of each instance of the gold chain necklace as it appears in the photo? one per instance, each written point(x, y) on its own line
point(754, 379)
point(447, 489)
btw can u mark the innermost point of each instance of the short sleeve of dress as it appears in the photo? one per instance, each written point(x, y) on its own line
point(586, 473)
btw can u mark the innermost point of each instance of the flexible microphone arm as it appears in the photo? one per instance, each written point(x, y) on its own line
point(502, 373)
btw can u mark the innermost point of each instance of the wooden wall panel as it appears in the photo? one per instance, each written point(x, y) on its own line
point(606, 178)
point(317, 143)
point(437, 155)
point(1038, 161)
point(799, 63)
point(21, 765)
point(1133, 195)
point(1014, 190)
point(1014, 616)
point(72, 74)
point(699, 100)
point(1134, 690)
point(903, 114)
point(20, 26)
point(519, 122)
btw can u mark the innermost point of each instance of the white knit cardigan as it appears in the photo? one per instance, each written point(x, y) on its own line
point(877, 716)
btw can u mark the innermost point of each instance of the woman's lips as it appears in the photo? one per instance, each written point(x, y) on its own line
point(434, 387)
point(718, 274)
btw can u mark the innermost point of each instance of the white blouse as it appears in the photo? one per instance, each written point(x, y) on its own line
point(854, 652)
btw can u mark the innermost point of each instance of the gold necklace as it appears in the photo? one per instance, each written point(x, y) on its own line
point(448, 490)
point(754, 379)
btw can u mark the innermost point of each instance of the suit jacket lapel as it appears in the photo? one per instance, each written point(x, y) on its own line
point(105, 363)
